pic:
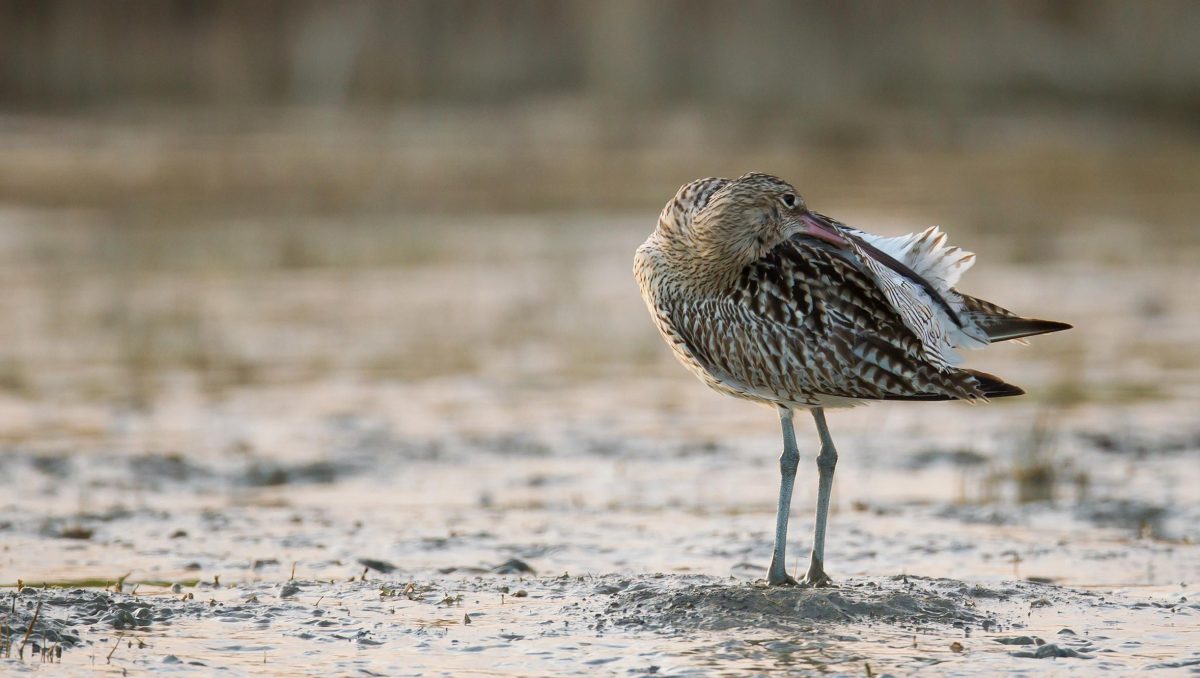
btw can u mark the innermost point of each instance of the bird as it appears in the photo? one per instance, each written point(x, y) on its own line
point(767, 300)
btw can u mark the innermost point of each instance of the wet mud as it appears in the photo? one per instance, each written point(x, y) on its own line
point(570, 557)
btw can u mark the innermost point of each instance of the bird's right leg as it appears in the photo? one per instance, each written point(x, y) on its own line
point(788, 462)
point(826, 463)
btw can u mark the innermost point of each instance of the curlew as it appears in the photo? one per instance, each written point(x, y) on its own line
point(766, 300)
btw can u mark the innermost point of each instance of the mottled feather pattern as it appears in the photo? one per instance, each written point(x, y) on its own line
point(690, 198)
point(806, 326)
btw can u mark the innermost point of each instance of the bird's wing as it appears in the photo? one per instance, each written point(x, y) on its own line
point(926, 253)
point(916, 274)
point(809, 319)
point(933, 267)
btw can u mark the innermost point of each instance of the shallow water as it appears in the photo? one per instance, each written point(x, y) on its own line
point(248, 412)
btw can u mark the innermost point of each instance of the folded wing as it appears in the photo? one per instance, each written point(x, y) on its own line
point(808, 322)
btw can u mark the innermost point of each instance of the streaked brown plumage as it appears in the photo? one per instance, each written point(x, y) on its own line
point(765, 300)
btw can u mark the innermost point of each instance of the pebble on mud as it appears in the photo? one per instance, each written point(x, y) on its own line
point(514, 566)
point(377, 565)
point(1021, 640)
point(1051, 650)
point(75, 532)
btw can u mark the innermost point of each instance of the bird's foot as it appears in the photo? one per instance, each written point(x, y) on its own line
point(816, 577)
point(778, 576)
point(782, 580)
point(819, 581)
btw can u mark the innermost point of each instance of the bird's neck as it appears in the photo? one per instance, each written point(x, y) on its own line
point(701, 268)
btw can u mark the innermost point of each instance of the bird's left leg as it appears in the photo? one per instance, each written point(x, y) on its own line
point(826, 462)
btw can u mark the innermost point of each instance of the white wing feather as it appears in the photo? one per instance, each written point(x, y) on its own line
point(941, 265)
point(927, 254)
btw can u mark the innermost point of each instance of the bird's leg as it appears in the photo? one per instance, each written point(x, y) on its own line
point(826, 462)
point(788, 462)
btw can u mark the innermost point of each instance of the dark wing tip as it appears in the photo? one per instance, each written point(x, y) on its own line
point(918, 397)
point(989, 386)
point(1003, 329)
point(1047, 326)
point(994, 387)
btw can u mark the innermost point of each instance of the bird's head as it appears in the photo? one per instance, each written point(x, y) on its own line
point(729, 224)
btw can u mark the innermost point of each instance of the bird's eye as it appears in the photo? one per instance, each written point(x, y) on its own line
point(789, 200)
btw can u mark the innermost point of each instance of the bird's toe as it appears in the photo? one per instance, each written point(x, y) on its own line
point(816, 577)
point(818, 580)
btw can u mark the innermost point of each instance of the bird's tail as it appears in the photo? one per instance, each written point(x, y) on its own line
point(1001, 324)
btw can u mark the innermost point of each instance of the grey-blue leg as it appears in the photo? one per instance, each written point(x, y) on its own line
point(788, 462)
point(826, 462)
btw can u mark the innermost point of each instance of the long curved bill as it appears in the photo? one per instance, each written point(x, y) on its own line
point(823, 228)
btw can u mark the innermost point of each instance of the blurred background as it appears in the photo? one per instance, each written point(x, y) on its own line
point(224, 225)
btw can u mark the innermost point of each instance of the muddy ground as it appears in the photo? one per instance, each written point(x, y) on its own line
point(572, 551)
point(392, 445)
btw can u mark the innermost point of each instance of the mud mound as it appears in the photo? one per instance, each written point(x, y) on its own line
point(712, 604)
